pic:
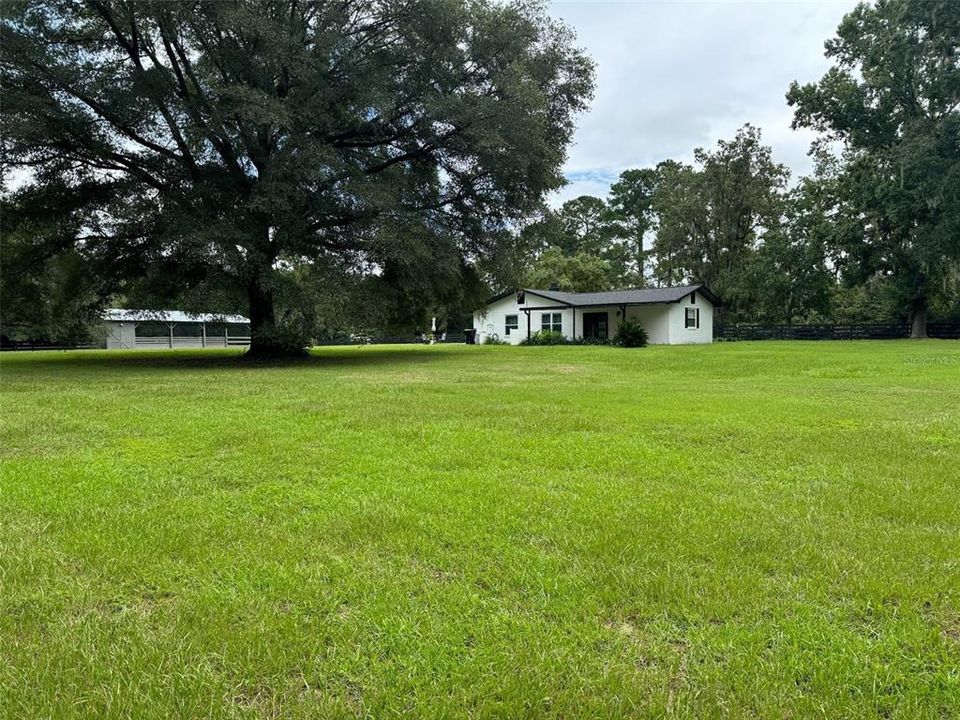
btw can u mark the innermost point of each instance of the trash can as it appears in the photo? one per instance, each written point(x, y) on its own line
point(470, 336)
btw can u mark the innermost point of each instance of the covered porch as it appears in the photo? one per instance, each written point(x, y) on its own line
point(598, 322)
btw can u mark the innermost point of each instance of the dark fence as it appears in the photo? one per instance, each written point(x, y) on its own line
point(391, 340)
point(874, 331)
point(42, 345)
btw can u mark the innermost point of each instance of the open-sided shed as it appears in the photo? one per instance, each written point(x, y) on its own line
point(167, 329)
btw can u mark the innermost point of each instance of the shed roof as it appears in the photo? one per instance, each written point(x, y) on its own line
point(641, 296)
point(124, 315)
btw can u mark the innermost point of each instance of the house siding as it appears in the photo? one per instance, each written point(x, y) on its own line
point(664, 322)
point(682, 335)
point(492, 320)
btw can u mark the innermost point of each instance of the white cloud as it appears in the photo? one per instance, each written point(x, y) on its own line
point(672, 76)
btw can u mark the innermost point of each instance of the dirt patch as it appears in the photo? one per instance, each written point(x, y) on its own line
point(625, 628)
point(951, 630)
point(260, 701)
point(678, 678)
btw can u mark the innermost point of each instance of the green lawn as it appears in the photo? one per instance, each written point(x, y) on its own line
point(757, 530)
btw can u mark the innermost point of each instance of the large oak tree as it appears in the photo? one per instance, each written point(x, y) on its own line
point(224, 142)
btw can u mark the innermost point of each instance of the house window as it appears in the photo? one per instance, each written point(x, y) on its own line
point(693, 298)
point(692, 318)
point(512, 322)
point(552, 321)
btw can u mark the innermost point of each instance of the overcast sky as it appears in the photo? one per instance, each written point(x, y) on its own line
point(672, 76)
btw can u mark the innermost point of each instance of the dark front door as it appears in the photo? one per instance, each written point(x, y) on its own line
point(595, 325)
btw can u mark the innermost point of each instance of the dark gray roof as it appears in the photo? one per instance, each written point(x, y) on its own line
point(644, 296)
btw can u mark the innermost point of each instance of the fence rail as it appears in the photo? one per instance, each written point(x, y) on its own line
point(177, 342)
point(41, 345)
point(863, 331)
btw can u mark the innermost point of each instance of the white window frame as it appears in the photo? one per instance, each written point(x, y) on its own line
point(551, 322)
point(691, 321)
point(507, 326)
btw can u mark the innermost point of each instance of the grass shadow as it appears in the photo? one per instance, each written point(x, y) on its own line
point(319, 358)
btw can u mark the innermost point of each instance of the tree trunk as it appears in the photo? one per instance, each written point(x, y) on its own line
point(918, 319)
point(265, 339)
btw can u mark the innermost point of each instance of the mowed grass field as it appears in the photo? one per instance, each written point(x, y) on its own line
point(763, 530)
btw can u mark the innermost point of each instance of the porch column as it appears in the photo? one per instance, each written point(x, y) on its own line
point(573, 326)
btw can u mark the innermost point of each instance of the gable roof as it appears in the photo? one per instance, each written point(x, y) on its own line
point(122, 315)
point(640, 296)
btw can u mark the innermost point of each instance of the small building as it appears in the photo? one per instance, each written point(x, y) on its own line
point(167, 329)
point(670, 315)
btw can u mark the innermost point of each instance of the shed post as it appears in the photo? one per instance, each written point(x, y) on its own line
point(203, 334)
point(170, 325)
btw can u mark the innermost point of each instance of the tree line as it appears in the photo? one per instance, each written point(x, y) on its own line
point(873, 234)
point(331, 167)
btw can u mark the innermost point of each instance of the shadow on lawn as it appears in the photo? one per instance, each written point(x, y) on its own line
point(352, 356)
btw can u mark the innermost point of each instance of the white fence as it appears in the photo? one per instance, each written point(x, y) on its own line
point(165, 342)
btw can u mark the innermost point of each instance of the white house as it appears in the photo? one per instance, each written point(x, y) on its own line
point(671, 315)
point(166, 329)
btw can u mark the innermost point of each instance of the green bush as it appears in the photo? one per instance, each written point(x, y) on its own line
point(630, 334)
point(279, 340)
point(589, 341)
point(546, 337)
point(494, 340)
point(553, 337)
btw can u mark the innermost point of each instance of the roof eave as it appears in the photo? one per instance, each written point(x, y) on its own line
point(709, 294)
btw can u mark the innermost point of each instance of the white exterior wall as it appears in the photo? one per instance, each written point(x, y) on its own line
point(121, 335)
point(680, 335)
point(492, 320)
point(664, 322)
point(655, 320)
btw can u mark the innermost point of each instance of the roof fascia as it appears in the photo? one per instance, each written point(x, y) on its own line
point(564, 303)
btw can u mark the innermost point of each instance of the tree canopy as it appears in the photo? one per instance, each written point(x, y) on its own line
point(892, 99)
point(215, 145)
point(702, 222)
point(712, 215)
